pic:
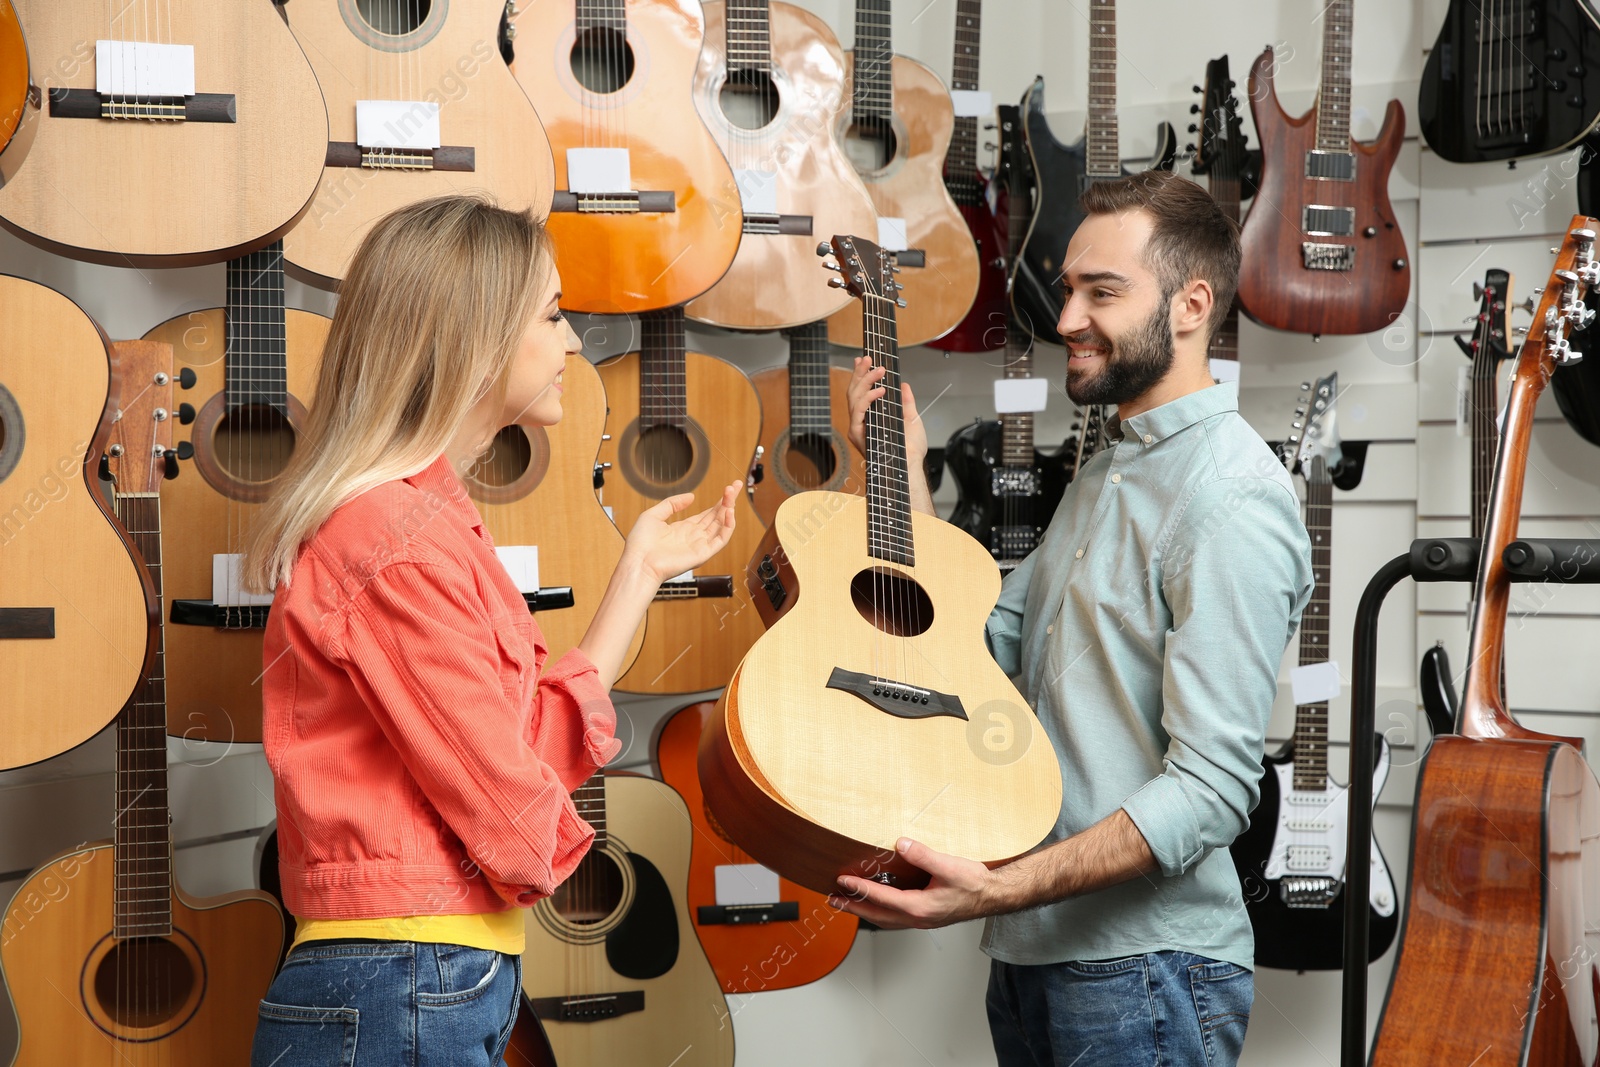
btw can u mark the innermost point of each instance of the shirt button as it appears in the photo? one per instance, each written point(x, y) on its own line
point(1148, 439)
point(1078, 554)
point(1116, 478)
point(1050, 629)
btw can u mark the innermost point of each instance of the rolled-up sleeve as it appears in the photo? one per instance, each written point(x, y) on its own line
point(1003, 631)
point(1236, 575)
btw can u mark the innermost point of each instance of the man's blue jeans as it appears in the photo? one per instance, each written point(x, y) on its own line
point(1162, 1009)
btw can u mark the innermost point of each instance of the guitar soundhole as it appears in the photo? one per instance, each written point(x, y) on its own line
point(663, 454)
point(810, 460)
point(394, 17)
point(11, 434)
point(593, 893)
point(143, 981)
point(507, 459)
point(749, 99)
point(892, 602)
point(870, 144)
point(253, 444)
point(602, 60)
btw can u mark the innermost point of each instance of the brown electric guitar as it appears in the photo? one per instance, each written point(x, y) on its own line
point(167, 132)
point(1322, 250)
point(251, 368)
point(1507, 820)
point(420, 104)
point(871, 709)
point(76, 614)
point(896, 133)
point(120, 966)
point(536, 488)
point(13, 74)
point(769, 86)
point(614, 79)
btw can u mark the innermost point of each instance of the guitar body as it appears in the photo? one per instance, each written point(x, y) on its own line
point(816, 781)
point(994, 518)
point(529, 1046)
point(910, 186)
point(104, 190)
point(750, 952)
point(690, 644)
point(983, 329)
point(799, 463)
point(536, 487)
point(452, 59)
point(1467, 121)
point(1275, 288)
point(619, 928)
point(812, 175)
point(617, 263)
point(1502, 876)
point(188, 998)
point(1299, 937)
point(213, 677)
point(13, 73)
point(76, 608)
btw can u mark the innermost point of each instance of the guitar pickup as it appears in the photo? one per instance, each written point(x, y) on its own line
point(447, 157)
point(27, 624)
point(1319, 256)
point(219, 616)
point(911, 257)
point(591, 1009)
point(748, 914)
point(1308, 857)
point(711, 585)
point(1320, 220)
point(89, 104)
point(1328, 166)
point(629, 203)
point(549, 598)
point(897, 698)
point(797, 225)
point(1014, 481)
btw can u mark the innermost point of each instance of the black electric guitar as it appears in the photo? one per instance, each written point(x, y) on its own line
point(1576, 385)
point(1508, 81)
point(1223, 158)
point(1291, 860)
point(1062, 172)
point(1006, 490)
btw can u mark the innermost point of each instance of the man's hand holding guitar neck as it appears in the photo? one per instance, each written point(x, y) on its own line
point(864, 389)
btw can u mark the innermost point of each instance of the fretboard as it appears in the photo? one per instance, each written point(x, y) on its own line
point(1104, 158)
point(602, 15)
point(961, 161)
point(888, 487)
point(1333, 94)
point(143, 828)
point(873, 55)
point(1311, 720)
point(1485, 430)
point(1225, 343)
point(749, 38)
point(256, 372)
point(590, 801)
point(810, 402)
point(1016, 429)
point(663, 389)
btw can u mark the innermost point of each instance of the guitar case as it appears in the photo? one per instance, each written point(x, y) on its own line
point(1577, 387)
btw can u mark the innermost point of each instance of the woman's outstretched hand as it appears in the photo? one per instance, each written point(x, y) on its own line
point(665, 549)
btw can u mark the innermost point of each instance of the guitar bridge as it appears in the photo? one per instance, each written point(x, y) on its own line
point(587, 1009)
point(1308, 892)
point(1012, 542)
point(90, 104)
point(795, 225)
point(629, 203)
point(1318, 256)
point(897, 698)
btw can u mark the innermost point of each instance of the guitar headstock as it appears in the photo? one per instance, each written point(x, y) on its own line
point(1015, 170)
point(1316, 428)
point(1221, 151)
point(140, 454)
point(1561, 311)
point(1490, 333)
point(864, 268)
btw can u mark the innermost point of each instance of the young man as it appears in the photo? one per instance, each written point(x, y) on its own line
point(1146, 632)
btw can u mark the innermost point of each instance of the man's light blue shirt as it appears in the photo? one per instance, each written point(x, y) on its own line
point(1146, 630)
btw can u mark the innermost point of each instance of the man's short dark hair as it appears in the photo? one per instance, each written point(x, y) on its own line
point(1192, 238)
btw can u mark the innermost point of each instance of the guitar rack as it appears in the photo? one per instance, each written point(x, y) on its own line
point(1435, 559)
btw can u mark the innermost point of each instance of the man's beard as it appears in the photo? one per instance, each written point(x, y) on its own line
point(1131, 364)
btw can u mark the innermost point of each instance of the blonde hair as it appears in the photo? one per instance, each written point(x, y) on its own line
point(430, 314)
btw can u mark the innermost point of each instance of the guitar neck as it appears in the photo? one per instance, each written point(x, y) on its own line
point(810, 399)
point(749, 37)
point(888, 487)
point(1311, 720)
point(1225, 343)
point(590, 801)
point(1333, 94)
point(1104, 159)
point(1485, 407)
point(602, 15)
point(872, 98)
point(143, 827)
point(256, 371)
point(1016, 427)
point(663, 384)
point(961, 161)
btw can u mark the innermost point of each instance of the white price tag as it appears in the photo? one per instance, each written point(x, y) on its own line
point(972, 103)
point(1315, 682)
point(1013, 395)
point(136, 68)
point(404, 124)
point(522, 563)
point(598, 170)
point(686, 576)
point(746, 883)
point(892, 234)
point(1225, 370)
point(758, 191)
point(225, 588)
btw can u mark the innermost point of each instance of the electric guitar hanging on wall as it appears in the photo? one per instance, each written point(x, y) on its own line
point(168, 132)
point(639, 180)
point(769, 85)
point(419, 104)
point(121, 966)
point(1322, 249)
point(1222, 157)
point(76, 610)
point(1291, 858)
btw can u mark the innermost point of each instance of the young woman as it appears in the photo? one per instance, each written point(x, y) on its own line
point(422, 748)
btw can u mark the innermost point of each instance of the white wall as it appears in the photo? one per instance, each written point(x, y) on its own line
point(917, 997)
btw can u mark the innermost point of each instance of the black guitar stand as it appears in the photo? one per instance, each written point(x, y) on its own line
point(1438, 559)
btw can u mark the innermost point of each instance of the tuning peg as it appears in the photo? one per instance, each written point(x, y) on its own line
point(990, 126)
point(1294, 438)
point(1554, 250)
point(1197, 89)
point(1537, 292)
point(1519, 330)
point(1296, 424)
point(1305, 387)
point(1189, 147)
point(186, 378)
point(1194, 109)
point(899, 303)
point(185, 450)
point(829, 266)
point(186, 413)
point(824, 248)
point(1526, 305)
point(898, 287)
point(1193, 128)
point(1477, 291)
point(836, 283)
point(169, 464)
point(1301, 410)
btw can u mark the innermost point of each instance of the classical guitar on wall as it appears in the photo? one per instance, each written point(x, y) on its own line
point(13, 74)
point(612, 968)
point(871, 707)
point(251, 369)
point(149, 104)
point(641, 209)
point(419, 104)
point(122, 966)
point(1322, 249)
point(76, 611)
point(1291, 859)
point(897, 133)
point(769, 85)
point(684, 422)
